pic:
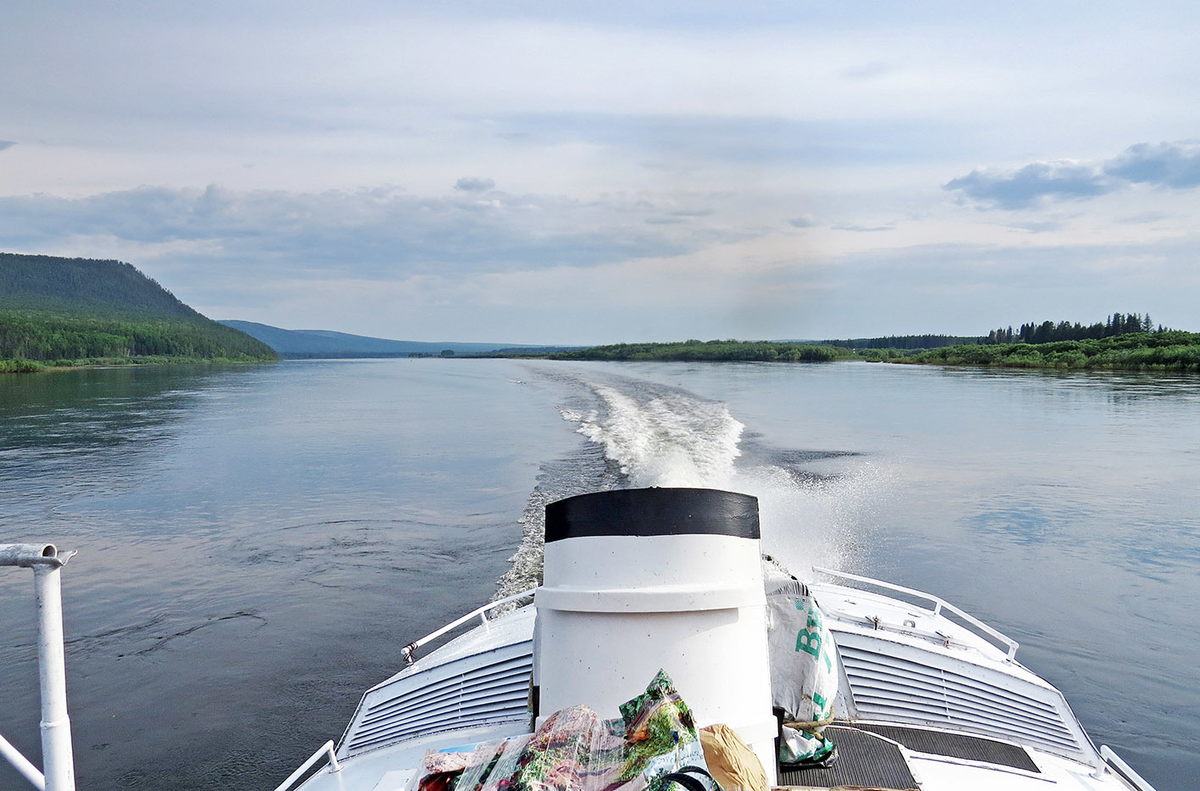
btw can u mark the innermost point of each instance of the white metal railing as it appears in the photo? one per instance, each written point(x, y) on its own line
point(58, 772)
point(938, 605)
point(1125, 770)
point(325, 749)
point(410, 650)
point(22, 765)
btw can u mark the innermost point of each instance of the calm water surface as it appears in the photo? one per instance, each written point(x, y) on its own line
point(256, 543)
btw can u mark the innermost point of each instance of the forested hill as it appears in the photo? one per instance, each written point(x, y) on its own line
point(71, 311)
point(78, 286)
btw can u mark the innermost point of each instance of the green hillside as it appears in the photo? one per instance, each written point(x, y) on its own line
point(72, 311)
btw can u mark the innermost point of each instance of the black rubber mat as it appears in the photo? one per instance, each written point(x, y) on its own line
point(955, 745)
point(863, 760)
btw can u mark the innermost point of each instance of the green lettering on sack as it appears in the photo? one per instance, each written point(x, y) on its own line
point(819, 699)
point(809, 643)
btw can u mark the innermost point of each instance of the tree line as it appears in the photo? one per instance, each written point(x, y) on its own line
point(52, 338)
point(1168, 350)
point(716, 350)
point(905, 341)
point(1049, 332)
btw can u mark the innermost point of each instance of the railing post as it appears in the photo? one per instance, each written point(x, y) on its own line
point(58, 761)
point(58, 770)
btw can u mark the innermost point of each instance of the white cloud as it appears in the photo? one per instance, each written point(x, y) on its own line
point(765, 146)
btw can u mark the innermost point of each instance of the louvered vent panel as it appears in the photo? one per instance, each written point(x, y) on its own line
point(892, 689)
point(466, 693)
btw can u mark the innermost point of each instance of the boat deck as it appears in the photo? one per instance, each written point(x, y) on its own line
point(927, 702)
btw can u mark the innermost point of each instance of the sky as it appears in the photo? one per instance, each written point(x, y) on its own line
point(580, 173)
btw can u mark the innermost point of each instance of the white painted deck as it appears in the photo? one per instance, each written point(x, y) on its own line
point(903, 663)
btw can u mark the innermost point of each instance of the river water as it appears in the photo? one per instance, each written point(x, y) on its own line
point(256, 543)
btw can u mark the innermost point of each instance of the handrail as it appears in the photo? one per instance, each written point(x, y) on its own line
point(1124, 769)
point(58, 762)
point(22, 765)
point(938, 603)
point(326, 748)
point(410, 650)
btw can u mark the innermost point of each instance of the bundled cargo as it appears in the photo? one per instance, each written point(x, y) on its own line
point(653, 746)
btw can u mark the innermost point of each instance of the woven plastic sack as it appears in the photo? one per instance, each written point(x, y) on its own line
point(804, 670)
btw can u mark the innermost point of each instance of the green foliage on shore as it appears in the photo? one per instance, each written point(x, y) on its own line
point(43, 336)
point(61, 312)
point(1170, 350)
point(1049, 332)
point(710, 351)
point(20, 366)
point(905, 342)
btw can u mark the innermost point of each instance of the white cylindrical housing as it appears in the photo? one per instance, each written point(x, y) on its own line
point(646, 579)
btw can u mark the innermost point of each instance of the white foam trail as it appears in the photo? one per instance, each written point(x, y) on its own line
point(660, 437)
point(672, 439)
point(817, 522)
point(666, 440)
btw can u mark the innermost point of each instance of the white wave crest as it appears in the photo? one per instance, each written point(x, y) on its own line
point(666, 439)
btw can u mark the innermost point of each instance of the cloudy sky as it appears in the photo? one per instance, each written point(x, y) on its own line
point(561, 172)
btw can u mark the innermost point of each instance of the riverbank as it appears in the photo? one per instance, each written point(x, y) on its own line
point(22, 366)
point(715, 351)
point(1171, 350)
point(1168, 351)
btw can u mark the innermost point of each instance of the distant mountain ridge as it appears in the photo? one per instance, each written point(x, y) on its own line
point(72, 311)
point(327, 343)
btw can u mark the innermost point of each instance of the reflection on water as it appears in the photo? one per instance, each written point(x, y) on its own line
point(257, 542)
point(255, 545)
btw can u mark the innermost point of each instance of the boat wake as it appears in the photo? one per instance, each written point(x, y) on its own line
point(642, 434)
point(662, 437)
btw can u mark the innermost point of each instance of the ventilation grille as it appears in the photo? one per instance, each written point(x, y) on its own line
point(893, 689)
point(476, 690)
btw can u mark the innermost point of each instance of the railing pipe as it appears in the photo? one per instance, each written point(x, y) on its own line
point(1124, 769)
point(410, 650)
point(58, 771)
point(325, 749)
point(22, 765)
point(938, 603)
point(58, 761)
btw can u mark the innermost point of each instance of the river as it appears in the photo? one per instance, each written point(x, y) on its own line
point(256, 543)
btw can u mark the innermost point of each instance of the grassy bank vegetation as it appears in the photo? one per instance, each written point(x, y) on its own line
point(20, 366)
point(702, 351)
point(1170, 350)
